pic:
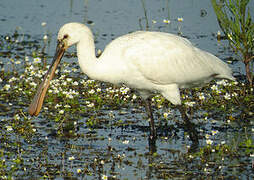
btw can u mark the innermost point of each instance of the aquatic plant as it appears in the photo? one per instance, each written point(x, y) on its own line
point(89, 129)
point(235, 21)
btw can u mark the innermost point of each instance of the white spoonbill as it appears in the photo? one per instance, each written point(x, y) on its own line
point(150, 62)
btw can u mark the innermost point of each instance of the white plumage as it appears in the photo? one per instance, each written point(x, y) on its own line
point(147, 61)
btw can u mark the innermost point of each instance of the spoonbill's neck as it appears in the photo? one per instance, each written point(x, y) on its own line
point(86, 55)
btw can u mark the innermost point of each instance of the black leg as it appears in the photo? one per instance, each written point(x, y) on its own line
point(153, 135)
point(188, 125)
point(151, 120)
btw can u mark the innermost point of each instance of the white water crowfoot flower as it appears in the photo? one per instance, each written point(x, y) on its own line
point(124, 90)
point(75, 83)
point(166, 21)
point(9, 128)
point(17, 62)
point(89, 104)
point(154, 21)
point(201, 96)
point(61, 111)
point(43, 24)
point(180, 19)
point(92, 91)
point(214, 132)
point(45, 37)
point(79, 171)
point(7, 87)
point(227, 96)
point(223, 82)
point(104, 177)
point(71, 158)
point(209, 142)
point(12, 79)
point(165, 114)
point(68, 79)
point(126, 142)
point(216, 89)
point(37, 60)
point(190, 104)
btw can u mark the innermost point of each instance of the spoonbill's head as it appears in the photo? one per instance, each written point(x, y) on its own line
point(68, 35)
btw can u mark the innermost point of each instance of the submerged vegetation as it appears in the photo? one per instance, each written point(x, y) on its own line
point(91, 129)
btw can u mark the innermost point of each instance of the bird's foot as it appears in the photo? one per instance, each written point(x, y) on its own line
point(152, 143)
point(190, 128)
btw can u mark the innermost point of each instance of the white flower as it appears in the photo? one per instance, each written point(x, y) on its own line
point(70, 96)
point(92, 91)
point(45, 37)
point(165, 115)
point(90, 105)
point(12, 79)
point(189, 103)
point(79, 171)
point(58, 105)
point(7, 87)
point(134, 97)
point(222, 82)
point(207, 136)
point(33, 84)
point(214, 87)
point(214, 132)
point(154, 21)
point(180, 19)
point(37, 60)
point(43, 24)
point(26, 58)
point(68, 79)
point(218, 33)
point(201, 96)
point(71, 158)
point(104, 177)
point(124, 90)
point(9, 128)
point(75, 83)
point(209, 141)
point(64, 83)
point(17, 62)
point(16, 117)
point(227, 96)
point(166, 21)
point(90, 81)
point(74, 69)
point(126, 142)
point(61, 111)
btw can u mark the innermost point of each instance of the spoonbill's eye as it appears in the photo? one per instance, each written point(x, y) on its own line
point(65, 36)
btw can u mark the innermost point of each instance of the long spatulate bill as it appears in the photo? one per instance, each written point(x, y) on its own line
point(36, 104)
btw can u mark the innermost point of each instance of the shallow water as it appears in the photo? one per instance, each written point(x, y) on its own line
point(117, 146)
